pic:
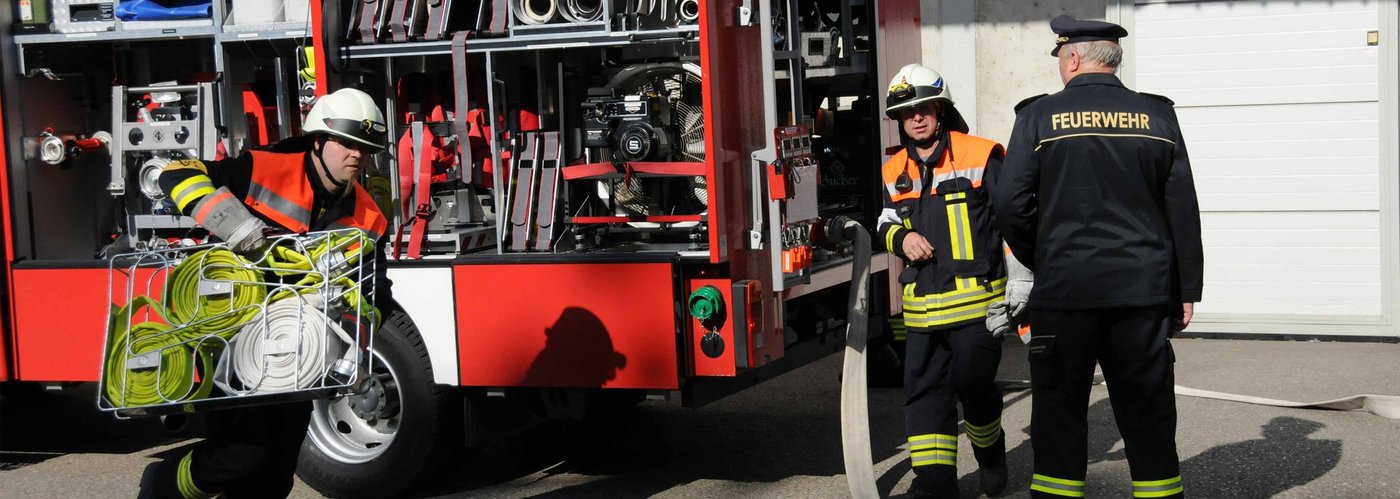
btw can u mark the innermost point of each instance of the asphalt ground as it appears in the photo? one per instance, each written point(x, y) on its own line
point(781, 438)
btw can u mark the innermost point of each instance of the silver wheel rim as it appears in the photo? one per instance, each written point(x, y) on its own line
point(340, 433)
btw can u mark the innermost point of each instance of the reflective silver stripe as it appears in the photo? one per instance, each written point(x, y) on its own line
point(983, 436)
point(973, 174)
point(955, 298)
point(1074, 488)
point(917, 185)
point(933, 457)
point(935, 442)
point(928, 319)
point(957, 212)
point(277, 202)
point(1157, 488)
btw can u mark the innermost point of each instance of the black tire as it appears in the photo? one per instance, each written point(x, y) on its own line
point(341, 456)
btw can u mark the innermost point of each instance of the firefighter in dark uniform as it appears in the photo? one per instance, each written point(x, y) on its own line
point(307, 183)
point(1097, 198)
point(937, 217)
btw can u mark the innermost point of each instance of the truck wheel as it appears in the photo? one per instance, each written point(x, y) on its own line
point(396, 434)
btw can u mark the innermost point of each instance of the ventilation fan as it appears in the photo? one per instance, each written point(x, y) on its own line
point(676, 87)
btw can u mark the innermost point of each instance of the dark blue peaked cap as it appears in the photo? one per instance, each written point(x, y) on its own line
point(1071, 30)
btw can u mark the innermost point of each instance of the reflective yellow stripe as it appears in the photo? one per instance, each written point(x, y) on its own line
point(190, 190)
point(897, 328)
point(1157, 488)
point(1057, 486)
point(953, 237)
point(932, 457)
point(966, 233)
point(953, 298)
point(933, 441)
point(184, 481)
point(983, 436)
point(889, 237)
point(1160, 493)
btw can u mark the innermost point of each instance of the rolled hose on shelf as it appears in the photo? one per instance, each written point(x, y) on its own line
point(528, 11)
point(688, 11)
point(579, 11)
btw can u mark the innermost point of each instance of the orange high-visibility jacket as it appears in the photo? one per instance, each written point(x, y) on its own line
point(950, 208)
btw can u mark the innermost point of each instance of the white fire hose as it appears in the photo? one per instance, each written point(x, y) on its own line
point(288, 347)
point(1386, 406)
point(855, 413)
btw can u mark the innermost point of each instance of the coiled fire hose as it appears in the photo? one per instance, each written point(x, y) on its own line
point(152, 362)
point(160, 366)
point(217, 311)
point(287, 347)
point(533, 12)
point(855, 413)
point(335, 260)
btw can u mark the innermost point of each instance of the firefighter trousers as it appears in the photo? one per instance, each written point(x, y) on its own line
point(247, 452)
point(1131, 346)
point(943, 368)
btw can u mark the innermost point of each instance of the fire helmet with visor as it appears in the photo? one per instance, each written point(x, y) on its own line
point(914, 84)
point(349, 114)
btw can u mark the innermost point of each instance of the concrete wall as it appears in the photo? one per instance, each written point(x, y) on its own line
point(1003, 57)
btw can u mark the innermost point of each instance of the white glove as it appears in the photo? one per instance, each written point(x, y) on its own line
point(998, 320)
point(1019, 281)
point(230, 220)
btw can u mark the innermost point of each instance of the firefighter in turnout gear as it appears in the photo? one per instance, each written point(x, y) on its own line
point(1097, 198)
point(307, 183)
point(938, 218)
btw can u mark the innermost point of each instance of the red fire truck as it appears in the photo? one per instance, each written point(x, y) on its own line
point(593, 200)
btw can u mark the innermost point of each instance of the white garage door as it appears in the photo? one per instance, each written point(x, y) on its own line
point(1278, 101)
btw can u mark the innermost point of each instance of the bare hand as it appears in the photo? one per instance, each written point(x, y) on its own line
point(917, 248)
point(1187, 310)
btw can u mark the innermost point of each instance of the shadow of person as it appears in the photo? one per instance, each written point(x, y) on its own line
point(1285, 458)
point(578, 352)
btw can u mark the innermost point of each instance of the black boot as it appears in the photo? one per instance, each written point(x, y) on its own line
point(991, 463)
point(992, 478)
point(158, 481)
point(930, 487)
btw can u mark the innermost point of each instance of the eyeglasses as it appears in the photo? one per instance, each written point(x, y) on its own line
point(922, 108)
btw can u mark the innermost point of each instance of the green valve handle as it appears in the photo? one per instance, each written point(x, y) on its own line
point(707, 304)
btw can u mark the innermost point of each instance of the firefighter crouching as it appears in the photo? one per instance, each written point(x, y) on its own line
point(1096, 196)
point(307, 183)
point(938, 218)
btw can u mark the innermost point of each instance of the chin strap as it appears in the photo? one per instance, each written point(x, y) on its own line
point(316, 149)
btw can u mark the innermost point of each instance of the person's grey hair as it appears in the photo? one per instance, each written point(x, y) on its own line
point(1101, 52)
